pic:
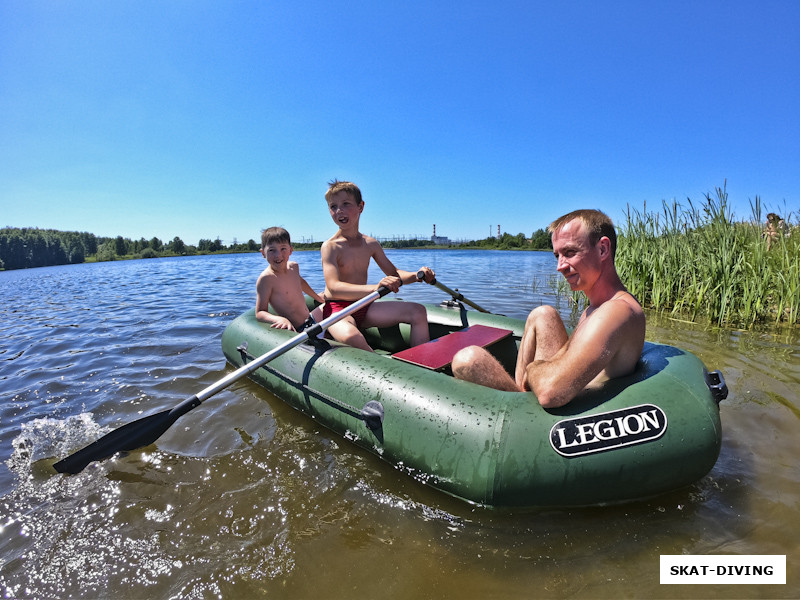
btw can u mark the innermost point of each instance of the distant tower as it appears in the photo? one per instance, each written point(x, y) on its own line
point(498, 231)
point(434, 230)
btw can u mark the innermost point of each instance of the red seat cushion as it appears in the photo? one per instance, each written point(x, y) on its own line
point(439, 353)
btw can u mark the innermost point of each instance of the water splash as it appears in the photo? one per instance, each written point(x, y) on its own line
point(48, 438)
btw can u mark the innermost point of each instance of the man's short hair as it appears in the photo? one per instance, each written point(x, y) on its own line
point(597, 223)
point(275, 235)
point(336, 186)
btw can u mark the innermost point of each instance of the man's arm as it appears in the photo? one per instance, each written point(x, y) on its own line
point(594, 345)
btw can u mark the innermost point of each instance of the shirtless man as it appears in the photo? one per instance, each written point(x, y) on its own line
point(281, 285)
point(608, 340)
point(345, 263)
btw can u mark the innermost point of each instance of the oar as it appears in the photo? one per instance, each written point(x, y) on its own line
point(147, 430)
point(454, 293)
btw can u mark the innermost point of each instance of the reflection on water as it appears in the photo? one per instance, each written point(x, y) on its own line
point(243, 497)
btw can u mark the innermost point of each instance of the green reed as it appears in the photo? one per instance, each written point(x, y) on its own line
point(700, 262)
point(557, 288)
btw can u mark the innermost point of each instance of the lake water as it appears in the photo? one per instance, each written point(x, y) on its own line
point(245, 498)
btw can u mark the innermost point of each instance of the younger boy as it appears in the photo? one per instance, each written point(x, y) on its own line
point(281, 286)
point(345, 262)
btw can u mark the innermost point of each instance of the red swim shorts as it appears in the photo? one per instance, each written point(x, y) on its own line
point(334, 306)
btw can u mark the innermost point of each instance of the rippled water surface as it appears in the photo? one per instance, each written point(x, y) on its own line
point(245, 498)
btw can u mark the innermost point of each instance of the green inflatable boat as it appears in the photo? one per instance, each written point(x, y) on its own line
point(653, 431)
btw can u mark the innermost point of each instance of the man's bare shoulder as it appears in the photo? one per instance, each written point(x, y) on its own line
point(629, 310)
point(620, 314)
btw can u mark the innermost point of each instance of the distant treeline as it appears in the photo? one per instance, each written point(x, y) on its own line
point(540, 240)
point(22, 248)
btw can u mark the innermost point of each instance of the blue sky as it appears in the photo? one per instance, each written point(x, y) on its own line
point(217, 119)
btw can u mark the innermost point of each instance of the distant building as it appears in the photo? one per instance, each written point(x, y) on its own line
point(439, 240)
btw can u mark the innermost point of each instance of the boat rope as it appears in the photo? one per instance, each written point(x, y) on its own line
point(371, 413)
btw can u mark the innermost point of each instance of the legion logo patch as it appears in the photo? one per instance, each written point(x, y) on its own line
point(606, 431)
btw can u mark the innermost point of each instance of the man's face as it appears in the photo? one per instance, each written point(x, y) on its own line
point(578, 260)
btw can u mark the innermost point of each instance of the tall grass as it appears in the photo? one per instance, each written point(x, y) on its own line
point(699, 262)
point(557, 289)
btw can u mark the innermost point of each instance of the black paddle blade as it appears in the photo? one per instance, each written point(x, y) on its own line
point(147, 430)
point(128, 437)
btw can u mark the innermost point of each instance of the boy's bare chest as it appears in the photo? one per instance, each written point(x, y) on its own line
point(285, 284)
point(353, 261)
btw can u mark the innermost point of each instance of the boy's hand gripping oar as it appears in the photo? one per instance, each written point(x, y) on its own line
point(454, 293)
point(147, 430)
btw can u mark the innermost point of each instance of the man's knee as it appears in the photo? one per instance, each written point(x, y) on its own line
point(543, 319)
point(544, 312)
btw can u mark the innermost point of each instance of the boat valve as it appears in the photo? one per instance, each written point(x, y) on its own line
point(716, 383)
point(372, 414)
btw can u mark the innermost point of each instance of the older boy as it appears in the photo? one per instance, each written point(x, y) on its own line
point(608, 340)
point(281, 286)
point(345, 262)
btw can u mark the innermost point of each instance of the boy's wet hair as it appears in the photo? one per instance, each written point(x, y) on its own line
point(275, 235)
point(597, 223)
point(336, 186)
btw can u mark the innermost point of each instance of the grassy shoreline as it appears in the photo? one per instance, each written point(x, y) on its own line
point(693, 261)
point(698, 262)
